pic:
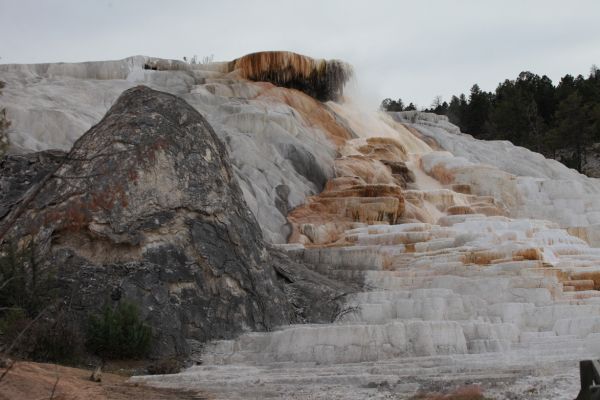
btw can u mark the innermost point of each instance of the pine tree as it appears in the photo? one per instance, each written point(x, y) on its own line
point(571, 130)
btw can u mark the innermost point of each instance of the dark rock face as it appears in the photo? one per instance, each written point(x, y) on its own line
point(18, 173)
point(313, 296)
point(304, 163)
point(145, 208)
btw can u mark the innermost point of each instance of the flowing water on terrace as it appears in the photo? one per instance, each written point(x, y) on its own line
point(475, 256)
point(460, 288)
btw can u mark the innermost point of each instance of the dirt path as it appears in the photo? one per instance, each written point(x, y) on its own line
point(35, 381)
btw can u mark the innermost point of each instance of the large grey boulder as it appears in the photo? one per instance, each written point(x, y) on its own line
point(269, 142)
point(146, 208)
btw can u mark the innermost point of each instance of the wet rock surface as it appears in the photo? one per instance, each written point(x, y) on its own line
point(145, 208)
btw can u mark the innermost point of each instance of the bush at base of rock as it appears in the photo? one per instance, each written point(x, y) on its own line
point(24, 284)
point(119, 333)
point(54, 339)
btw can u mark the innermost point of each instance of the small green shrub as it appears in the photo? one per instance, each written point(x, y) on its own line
point(12, 322)
point(24, 283)
point(56, 339)
point(27, 294)
point(118, 333)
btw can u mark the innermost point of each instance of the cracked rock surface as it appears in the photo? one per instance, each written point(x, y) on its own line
point(145, 207)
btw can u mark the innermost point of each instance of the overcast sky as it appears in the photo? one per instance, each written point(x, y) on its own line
point(414, 50)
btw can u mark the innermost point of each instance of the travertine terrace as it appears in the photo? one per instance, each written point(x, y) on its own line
point(477, 259)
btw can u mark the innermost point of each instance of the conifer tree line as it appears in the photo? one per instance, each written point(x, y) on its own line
point(560, 121)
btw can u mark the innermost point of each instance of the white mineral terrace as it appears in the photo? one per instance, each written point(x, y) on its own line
point(508, 303)
point(501, 295)
point(474, 298)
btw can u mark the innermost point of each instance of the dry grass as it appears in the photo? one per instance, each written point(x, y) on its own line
point(27, 381)
point(467, 392)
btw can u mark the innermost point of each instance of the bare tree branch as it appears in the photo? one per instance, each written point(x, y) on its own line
point(29, 325)
point(54, 387)
point(12, 363)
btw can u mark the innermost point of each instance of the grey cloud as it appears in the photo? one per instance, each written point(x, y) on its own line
point(409, 49)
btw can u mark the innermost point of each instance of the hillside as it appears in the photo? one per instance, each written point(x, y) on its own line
point(454, 260)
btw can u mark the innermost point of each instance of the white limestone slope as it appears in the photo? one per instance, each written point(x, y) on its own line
point(279, 157)
point(529, 184)
point(508, 302)
point(480, 299)
point(503, 294)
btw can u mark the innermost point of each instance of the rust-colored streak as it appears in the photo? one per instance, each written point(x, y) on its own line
point(321, 79)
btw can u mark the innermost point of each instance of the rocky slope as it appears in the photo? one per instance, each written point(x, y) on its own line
point(281, 141)
point(145, 207)
point(476, 259)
